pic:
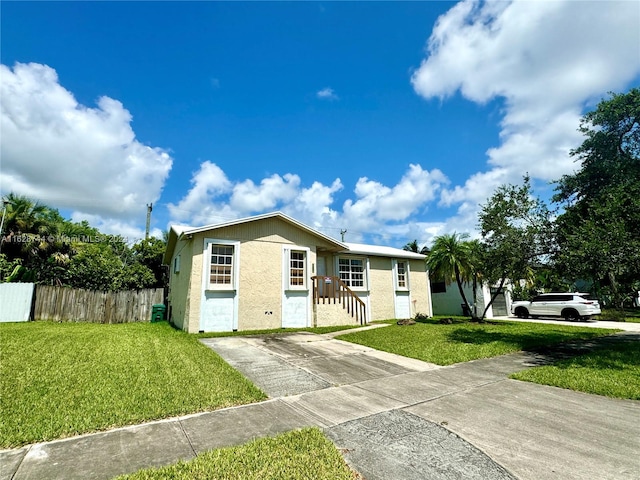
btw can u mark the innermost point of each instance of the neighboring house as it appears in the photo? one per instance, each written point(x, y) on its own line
point(271, 271)
point(446, 299)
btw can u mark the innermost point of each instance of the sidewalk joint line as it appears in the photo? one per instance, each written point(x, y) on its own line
point(187, 437)
point(15, 472)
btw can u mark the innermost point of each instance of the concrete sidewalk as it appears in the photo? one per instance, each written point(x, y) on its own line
point(393, 418)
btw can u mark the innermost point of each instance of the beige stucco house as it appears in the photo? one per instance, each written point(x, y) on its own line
point(271, 271)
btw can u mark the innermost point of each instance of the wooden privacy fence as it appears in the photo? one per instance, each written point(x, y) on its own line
point(73, 305)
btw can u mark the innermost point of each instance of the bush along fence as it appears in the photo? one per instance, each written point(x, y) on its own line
point(62, 304)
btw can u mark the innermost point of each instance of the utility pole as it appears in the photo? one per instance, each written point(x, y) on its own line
point(4, 212)
point(146, 231)
point(342, 232)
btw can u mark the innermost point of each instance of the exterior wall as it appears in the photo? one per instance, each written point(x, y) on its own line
point(381, 289)
point(450, 302)
point(260, 301)
point(195, 296)
point(333, 314)
point(179, 285)
point(420, 288)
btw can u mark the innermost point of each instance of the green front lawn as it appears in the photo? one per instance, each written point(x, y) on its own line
point(613, 371)
point(62, 379)
point(626, 315)
point(300, 454)
point(463, 341)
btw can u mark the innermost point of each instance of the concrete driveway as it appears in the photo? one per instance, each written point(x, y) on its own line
point(401, 418)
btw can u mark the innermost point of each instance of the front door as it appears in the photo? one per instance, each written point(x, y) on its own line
point(296, 311)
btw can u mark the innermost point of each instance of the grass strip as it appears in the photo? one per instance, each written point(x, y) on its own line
point(300, 454)
point(463, 341)
point(626, 315)
point(62, 379)
point(275, 331)
point(613, 371)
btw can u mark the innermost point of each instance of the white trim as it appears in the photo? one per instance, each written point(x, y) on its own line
point(396, 284)
point(365, 269)
point(206, 269)
point(286, 259)
point(401, 290)
point(286, 286)
point(184, 230)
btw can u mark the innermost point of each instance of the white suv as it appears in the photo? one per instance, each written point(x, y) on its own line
point(570, 306)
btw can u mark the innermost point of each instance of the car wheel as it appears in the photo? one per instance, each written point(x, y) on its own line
point(522, 312)
point(571, 316)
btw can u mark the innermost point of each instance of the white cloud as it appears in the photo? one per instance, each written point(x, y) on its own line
point(547, 61)
point(327, 94)
point(70, 155)
point(132, 233)
point(275, 190)
point(375, 209)
point(377, 204)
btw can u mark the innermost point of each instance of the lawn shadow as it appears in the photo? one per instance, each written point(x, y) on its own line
point(547, 348)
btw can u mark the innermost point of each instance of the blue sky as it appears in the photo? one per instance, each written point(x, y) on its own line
point(392, 120)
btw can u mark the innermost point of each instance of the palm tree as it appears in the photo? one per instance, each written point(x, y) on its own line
point(475, 260)
point(23, 215)
point(450, 259)
point(413, 247)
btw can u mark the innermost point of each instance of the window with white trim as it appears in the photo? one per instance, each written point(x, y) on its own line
point(401, 275)
point(297, 268)
point(221, 265)
point(351, 271)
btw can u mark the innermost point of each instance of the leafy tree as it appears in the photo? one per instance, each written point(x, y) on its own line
point(599, 231)
point(149, 253)
point(94, 267)
point(517, 235)
point(450, 259)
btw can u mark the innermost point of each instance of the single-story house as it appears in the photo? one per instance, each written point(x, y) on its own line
point(271, 271)
point(446, 299)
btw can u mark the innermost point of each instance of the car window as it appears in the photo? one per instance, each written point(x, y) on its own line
point(538, 299)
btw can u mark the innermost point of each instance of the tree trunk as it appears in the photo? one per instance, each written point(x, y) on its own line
point(459, 282)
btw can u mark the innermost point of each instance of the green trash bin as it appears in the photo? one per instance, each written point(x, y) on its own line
point(157, 313)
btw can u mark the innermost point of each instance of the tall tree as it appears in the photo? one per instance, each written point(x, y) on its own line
point(599, 231)
point(149, 253)
point(413, 246)
point(517, 235)
point(450, 259)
